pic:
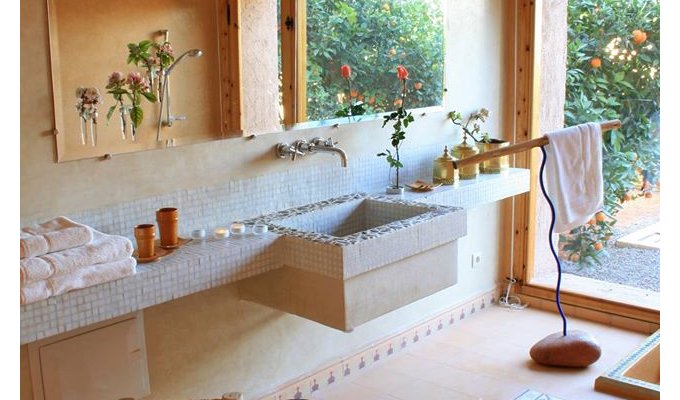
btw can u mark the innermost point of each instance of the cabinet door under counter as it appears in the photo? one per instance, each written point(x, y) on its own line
point(101, 361)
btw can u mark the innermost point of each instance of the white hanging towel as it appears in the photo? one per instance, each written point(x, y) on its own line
point(573, 174)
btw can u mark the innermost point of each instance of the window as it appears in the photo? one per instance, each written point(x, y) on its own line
point(372, 37)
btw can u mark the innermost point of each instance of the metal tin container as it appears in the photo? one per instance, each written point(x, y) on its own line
point(442, 169)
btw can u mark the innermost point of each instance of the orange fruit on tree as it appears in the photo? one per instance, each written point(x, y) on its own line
point(418, 85)
point(354, 93)
point(574, 257)
point(627, 197)
point(398, 102)
point(595, 62)
point(371, 100)
point(639, 36)
point(600, 216)
point(598, 246)
point(591, 221)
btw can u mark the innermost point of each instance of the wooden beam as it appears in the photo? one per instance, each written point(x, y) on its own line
point(288, 55)
point(230, 64)
point(522, 146)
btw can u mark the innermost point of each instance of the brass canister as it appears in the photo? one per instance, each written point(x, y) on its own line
point(442, 169)
point(465, 150)
point(494, 165)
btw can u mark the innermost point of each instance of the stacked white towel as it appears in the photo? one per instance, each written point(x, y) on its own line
point(574, 174)
point(57, 234)
point(101, 259)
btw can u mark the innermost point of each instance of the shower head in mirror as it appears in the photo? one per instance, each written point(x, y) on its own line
point(190, 53)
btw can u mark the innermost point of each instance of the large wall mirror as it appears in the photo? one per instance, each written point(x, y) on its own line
point(317, 37)
point(178, 84)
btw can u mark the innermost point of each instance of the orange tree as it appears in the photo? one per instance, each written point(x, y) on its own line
point(373, 37)
point(613, 71)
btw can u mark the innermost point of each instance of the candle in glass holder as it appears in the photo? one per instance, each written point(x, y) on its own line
point(237, 228)
point(221, 233)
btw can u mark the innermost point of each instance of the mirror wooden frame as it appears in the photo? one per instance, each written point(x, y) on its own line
point(222, 107)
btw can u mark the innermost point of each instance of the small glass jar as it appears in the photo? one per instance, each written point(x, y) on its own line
point(221, 232)
point(442, 169)
point(237, 228)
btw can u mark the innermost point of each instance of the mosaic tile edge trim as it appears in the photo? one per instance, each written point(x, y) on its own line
point(617, 372)
point(433, 211)
point(314, 383)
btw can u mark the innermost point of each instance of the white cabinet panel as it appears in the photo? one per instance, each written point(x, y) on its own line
point(104, 362)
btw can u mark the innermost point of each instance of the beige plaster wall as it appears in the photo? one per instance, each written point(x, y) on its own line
point(553, 77)
point(473, 79)
point(210, 343)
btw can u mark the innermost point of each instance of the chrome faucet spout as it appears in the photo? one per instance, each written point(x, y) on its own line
point(313, 148)
point(301, 147)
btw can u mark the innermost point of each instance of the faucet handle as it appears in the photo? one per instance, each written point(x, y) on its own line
point(317, 141)
point(283, 150)
point(297, 148)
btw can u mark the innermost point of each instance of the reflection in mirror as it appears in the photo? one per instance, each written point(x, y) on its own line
point(372, 37)
point(130, 76)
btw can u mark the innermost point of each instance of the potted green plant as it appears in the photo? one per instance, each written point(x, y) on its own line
point(401, 119)
point(484, 144)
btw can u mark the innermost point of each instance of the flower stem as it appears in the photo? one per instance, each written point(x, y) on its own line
point(349, 93)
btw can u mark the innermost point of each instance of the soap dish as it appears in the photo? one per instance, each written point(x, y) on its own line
point(160, 253)
point(422, 186)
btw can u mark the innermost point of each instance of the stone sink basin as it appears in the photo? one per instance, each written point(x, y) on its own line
point(347, 260)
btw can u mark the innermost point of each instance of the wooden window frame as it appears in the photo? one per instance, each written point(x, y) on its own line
point(526, 76)
point(294, 60)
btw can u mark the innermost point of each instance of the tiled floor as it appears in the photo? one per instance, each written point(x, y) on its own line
point(487, 357)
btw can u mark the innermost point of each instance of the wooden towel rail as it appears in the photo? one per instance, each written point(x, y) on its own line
point(529, 144)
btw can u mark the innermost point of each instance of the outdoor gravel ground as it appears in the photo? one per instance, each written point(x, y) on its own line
point(625, 265)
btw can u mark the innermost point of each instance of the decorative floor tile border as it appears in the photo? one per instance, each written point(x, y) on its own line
point(373, 354)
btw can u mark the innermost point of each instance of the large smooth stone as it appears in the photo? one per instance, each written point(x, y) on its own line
point(577, 349)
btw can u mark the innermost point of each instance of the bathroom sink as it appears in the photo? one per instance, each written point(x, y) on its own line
point(352, 258)
point(349, 219)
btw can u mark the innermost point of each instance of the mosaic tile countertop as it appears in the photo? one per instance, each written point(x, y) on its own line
point(199, 266)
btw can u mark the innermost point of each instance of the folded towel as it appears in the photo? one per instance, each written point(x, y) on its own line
point(57, 234)
point(36, 291)
point(78, 279)
point(102, 249)
point(573, 172)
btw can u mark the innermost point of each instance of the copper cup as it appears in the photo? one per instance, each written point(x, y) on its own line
point(167, 219)
point(145, 234)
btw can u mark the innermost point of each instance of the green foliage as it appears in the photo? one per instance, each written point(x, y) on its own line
point(401, 119)
point(610, 75)
point(475, 118)
point(373, 36)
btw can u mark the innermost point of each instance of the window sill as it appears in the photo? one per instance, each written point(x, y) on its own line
point(611, 303)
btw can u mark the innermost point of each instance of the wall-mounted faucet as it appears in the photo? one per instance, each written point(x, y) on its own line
point(301, 147)
point(165, 93)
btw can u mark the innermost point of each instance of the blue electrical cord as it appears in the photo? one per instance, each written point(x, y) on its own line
point(552, 248)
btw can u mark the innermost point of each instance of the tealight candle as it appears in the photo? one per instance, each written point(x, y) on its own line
point(238, 228)
point(221, 233)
